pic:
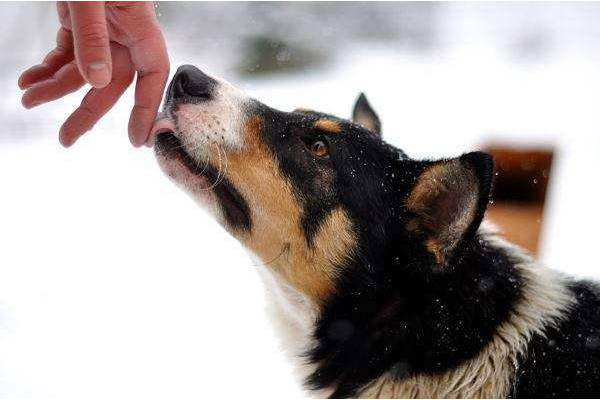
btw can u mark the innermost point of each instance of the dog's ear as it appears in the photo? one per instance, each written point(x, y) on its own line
point(364, 115)
point(448, 202)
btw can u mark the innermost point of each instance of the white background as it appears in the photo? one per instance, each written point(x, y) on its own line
point(113, 284)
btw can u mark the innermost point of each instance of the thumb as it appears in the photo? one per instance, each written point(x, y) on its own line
point(91, 41)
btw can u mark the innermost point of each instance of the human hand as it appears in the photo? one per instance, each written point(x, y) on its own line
point(103, 44)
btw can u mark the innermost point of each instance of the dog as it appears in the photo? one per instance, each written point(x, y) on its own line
point(384, 281)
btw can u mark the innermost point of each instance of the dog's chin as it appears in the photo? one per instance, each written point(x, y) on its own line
point(179, 166)
point(205, 183)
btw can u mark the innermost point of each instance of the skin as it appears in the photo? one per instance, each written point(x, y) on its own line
point(104, 44)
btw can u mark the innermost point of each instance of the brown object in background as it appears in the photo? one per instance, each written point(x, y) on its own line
point(519, 222)
point(519, 193)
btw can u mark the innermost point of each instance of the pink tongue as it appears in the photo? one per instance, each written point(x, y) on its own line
point(161, 124)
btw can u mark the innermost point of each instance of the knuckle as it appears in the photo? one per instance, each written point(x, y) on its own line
point(58, 52)
point(86, 111)
point(66, 78)
point(142, 109)
point(59, 80)
point(64, 83)
point(93, 35)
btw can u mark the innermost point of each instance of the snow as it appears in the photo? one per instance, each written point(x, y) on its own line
point(113, 284)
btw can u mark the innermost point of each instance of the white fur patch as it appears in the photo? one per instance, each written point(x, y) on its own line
point(294, 316)
point(208, 125)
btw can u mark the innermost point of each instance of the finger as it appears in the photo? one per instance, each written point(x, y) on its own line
point(97, 102)
point(151, 61)
point(149, 55)
point(91, 41)
point(61, 55)
point(66, 80)
point(64, 16)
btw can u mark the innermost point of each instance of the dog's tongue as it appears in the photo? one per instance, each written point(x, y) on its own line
point(161, 124)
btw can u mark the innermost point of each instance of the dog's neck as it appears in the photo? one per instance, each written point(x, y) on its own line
point(294, 316)
point(404, 331)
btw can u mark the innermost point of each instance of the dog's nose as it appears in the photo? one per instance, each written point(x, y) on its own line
point(189, 81)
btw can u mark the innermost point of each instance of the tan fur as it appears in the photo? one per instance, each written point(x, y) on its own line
point(434, 247)
point(329, 126)
point(436, 183)
point(277, 237)
point(303, 275)
point(489, 375)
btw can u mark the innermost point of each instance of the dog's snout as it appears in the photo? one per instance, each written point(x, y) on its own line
point(189, 81)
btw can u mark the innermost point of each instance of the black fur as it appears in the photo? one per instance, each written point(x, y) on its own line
point(395, 309)
point(566, 362)
point(410, 319)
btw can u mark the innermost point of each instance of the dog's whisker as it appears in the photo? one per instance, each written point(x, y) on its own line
point(285, 249)
point(224, 172)
point(217, 180)
point(220, 175)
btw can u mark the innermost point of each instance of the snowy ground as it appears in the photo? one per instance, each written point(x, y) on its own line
point(113, 284)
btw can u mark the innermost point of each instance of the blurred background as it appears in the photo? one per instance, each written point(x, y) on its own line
point(113, 284)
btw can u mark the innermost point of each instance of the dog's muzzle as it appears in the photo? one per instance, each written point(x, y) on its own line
point(189, 85)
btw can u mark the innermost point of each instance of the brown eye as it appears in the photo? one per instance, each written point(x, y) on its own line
point(319, 148)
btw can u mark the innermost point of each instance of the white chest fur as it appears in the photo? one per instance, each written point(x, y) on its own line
point(294, 316)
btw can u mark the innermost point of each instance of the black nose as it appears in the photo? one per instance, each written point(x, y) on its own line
point(189, 81)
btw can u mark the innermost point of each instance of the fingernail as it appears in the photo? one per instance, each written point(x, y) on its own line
point(98, 74)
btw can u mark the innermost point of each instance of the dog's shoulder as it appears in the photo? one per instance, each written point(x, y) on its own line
point(564, 360)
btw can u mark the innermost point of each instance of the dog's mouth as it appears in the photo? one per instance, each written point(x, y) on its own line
point(235, 208)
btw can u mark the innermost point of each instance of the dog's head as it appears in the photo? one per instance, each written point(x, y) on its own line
point(312, 195)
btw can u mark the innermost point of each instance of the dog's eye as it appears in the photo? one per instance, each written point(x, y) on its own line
point(319, 148)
